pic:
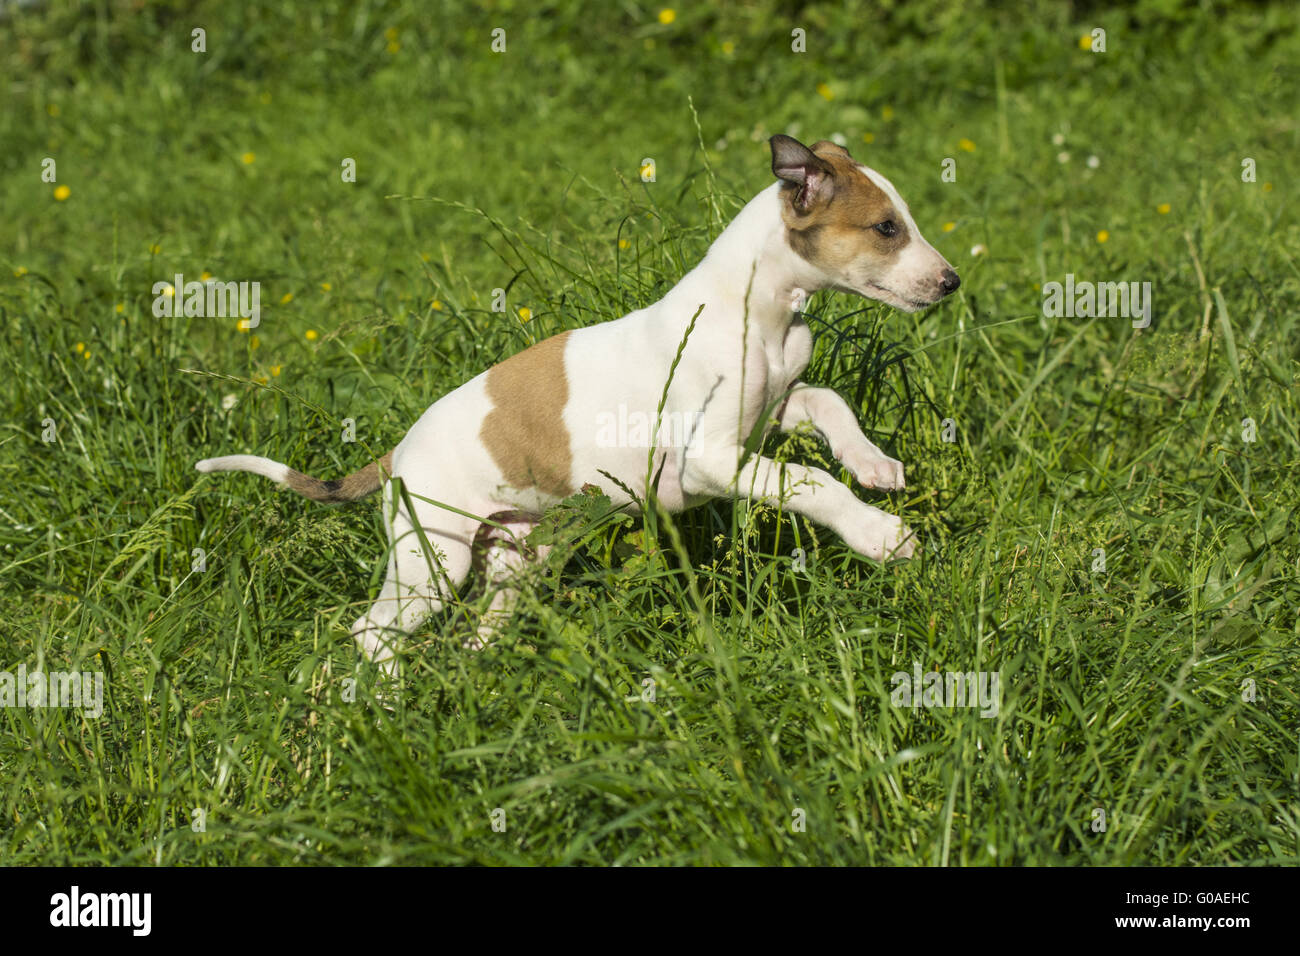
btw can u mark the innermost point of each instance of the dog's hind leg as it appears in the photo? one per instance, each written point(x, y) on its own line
point(504, 559)
point(417, 585)
point(502, 564)
point(411, 592)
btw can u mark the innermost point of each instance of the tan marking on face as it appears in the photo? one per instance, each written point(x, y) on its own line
point(525, 432)
point(838, 230)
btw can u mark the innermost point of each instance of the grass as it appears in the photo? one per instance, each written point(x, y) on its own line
point(235, 691)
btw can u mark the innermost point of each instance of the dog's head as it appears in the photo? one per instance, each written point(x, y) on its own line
point(850, 223)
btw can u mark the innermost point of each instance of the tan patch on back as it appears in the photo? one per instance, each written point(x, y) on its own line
point(525, 431)
point(836, 232)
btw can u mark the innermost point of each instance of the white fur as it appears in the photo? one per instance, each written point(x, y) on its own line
point(259, 466)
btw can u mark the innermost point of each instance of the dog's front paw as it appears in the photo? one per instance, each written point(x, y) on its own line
point(883, 538)
point(907, 542)
point(874, 470)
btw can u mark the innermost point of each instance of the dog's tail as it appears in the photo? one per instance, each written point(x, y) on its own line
point(356, 485)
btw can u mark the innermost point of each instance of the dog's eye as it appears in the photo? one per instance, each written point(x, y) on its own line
point(886, 228)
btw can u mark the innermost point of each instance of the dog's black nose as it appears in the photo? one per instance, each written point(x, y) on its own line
point(949, 282)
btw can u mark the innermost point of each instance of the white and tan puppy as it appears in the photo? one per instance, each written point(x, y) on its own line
point(527, 433)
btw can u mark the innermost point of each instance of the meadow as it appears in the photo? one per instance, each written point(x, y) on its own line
point(1108, 513)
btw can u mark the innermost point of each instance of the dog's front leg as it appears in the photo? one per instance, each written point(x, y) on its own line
point(832, 417)
point(810, 492)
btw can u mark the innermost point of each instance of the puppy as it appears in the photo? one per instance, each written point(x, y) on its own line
point(484, 462)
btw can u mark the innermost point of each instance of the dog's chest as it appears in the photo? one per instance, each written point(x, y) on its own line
point(772, 365)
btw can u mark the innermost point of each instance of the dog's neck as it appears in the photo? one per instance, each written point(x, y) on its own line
point(750, 256)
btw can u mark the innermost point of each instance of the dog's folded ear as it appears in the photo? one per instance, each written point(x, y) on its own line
point(826, 146)
point(796, 164)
